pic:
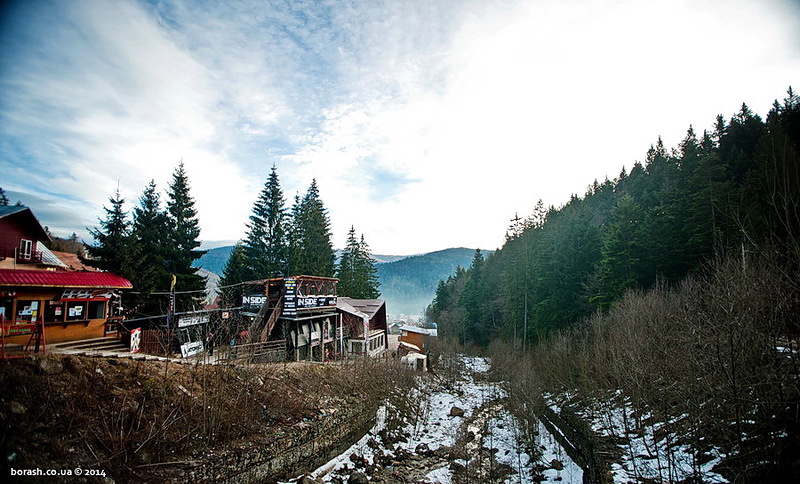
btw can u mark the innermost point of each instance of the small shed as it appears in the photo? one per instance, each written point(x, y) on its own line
point(419, 337)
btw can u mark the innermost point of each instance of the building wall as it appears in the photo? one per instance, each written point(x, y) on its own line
point(417, 339)
point(58, 327)
point(11, 232)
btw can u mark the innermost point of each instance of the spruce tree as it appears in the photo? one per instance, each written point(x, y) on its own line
point(314, 249)
point(367, 272)
point(346, 269)
point(4, 201)
point(183, 234)
point(149, 242)
point(113, 250)
point(236, 271)
point(265, 244)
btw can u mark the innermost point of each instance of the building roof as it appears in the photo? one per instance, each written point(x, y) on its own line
point(417, 329)
point(73, 262)
point(49, 258)
point(360, 307)
point(25, 212)
point(77, 279)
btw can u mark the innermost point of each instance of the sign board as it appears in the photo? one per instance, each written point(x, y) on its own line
point(17, 329)
point(290, 297)
point(185, 321)
point(86, 294)
point(254, 302)
point(191, 348)
point(136, 340)
point(310, 302)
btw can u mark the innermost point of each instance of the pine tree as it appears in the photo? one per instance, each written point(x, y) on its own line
point(265, 244)
point(113, 252)
point(365, 266)
point(313, 247)
point(236, 271)
point(4, 201)
point(149, 241)
point(346, 269)
point(183, 234)
point(358, 276)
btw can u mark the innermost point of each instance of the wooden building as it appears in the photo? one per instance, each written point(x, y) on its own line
point(314, 322)
point(36, 286)
point(364, 323)
point(301, 310)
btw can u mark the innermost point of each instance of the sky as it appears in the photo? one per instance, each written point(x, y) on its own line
point(427, 124)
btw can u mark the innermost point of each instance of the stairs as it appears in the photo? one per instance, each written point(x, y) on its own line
point(101, 347)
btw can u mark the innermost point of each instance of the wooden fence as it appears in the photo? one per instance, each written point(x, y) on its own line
point(269, 352)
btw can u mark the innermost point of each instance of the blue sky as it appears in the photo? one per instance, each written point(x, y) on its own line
point(427, 124)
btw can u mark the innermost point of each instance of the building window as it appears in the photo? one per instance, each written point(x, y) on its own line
point(54, 312)
point(76, 310)
point(97, 310)
point(25, 249)
point(27, 310)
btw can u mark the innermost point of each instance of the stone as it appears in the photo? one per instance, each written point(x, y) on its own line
point(47, 366)
point(358, 478)
point(17, 408)
point(423, 449)
point(557, 465)
point(456, 412)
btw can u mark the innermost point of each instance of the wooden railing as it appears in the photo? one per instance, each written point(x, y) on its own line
point(269, 352)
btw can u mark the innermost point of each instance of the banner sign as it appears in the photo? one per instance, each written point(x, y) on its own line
point(185, 321)
point(254, 302)
point(86, 294)
point(191, 348)
point(136, 340)
point(310, 302)
point(290, 297)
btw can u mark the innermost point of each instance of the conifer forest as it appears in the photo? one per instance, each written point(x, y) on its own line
point(670, 293)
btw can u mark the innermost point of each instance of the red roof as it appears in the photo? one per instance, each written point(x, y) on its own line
point(100, 280)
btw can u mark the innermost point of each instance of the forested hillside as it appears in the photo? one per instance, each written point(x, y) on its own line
point(408, 285)
point(733, 187)
point(660, 311)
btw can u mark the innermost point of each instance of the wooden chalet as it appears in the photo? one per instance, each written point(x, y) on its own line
point(38, 288)
point(301, 311)
point(312, 321)
point(364, 324)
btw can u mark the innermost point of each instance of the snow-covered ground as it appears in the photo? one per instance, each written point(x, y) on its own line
point(643, 455)
point(432, 447)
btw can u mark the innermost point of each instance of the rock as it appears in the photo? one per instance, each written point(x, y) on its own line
point(358, 478)
point(73, 364)
point(423, 449)
point(557, 465)
point(17, 408)
point(456, 412)
point(47, 366)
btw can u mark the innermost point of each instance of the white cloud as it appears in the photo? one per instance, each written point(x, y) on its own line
point(426, 124)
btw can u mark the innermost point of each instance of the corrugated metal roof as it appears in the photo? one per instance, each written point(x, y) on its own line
point(367, 307)
point(50, 259)
point(24, 278)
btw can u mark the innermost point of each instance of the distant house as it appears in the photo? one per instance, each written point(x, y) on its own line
point(36, 286)
point(364, 323)
point(419, 337)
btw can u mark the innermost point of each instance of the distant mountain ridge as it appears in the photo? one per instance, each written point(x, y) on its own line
point(408, 283)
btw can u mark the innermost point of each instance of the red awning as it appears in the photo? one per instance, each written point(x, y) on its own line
point(77, 279)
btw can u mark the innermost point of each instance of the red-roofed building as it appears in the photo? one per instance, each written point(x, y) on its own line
point(37, 286)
